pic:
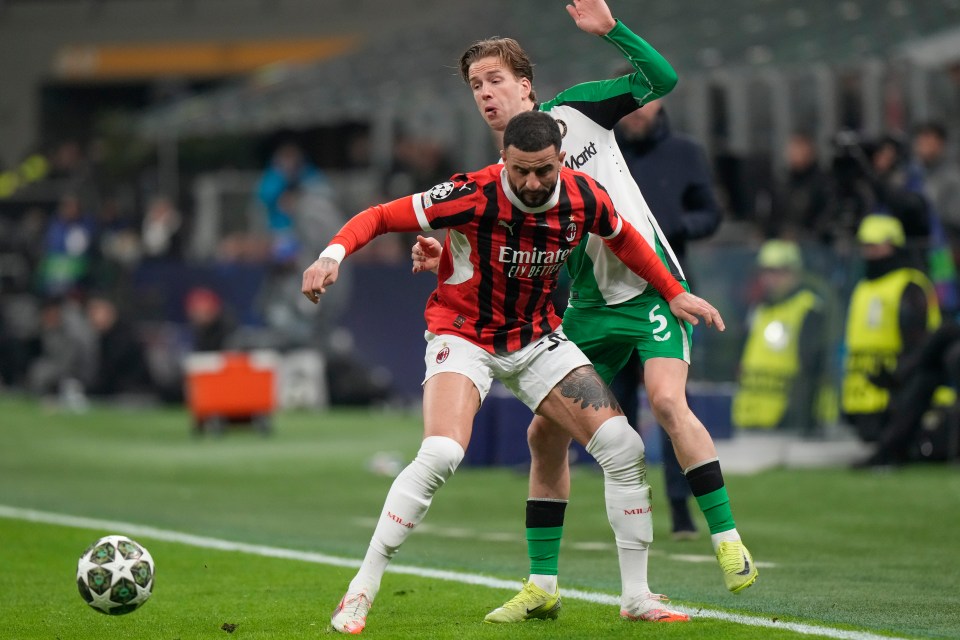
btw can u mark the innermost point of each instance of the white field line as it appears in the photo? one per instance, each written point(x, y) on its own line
point(166, 535)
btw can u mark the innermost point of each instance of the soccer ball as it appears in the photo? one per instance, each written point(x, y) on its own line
point(115, 575)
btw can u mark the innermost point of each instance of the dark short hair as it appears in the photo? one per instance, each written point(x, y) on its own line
point(510, 53)
point(931, 128)
point(532, 131)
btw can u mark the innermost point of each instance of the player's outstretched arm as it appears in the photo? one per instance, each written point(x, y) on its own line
point(398, 215)
point(425, 254)
point(607, 101)
point(592, 16)
point(318, 276)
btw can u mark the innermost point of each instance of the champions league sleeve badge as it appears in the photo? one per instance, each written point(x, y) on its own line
point(448, 190)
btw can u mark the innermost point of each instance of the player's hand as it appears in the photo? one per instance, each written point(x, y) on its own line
point(426, 254)
point(318, 276)
point(689, 307)
point(592, 16)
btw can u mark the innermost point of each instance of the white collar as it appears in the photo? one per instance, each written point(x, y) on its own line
point(515, 201)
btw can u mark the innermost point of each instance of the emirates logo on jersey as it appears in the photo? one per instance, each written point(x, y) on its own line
point(535, 263)
point(571, 233)
point(443, 355)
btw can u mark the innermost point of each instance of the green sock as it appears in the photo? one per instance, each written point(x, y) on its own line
point(544, 530)
point(543, 547)
point(716, 509)
point(706, 484)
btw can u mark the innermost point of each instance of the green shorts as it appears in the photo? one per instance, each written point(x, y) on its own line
point(609, 335)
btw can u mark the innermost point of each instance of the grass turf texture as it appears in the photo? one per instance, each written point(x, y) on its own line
point(876, 552)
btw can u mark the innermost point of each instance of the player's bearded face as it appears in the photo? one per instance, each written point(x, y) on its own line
point(499, 94)
point(533, 175)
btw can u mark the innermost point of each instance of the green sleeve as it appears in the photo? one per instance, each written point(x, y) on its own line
point(654, 77)
point(607, 101)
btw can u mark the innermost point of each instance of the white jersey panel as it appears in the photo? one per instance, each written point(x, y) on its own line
point(460, 252)
point(593, 150)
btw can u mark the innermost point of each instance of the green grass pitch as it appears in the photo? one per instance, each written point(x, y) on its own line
point(848, 553)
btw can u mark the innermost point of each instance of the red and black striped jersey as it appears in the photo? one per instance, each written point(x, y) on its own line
point(501, 258)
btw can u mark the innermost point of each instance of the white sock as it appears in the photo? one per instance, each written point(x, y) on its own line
point(633, 575)
point(407, 503)
point(547, 583)
point(619, 450)
point(730, 535)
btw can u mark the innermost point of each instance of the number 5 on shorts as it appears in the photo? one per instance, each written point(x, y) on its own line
point(661, 321)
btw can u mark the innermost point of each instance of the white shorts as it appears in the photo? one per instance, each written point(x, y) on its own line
point(530, 373)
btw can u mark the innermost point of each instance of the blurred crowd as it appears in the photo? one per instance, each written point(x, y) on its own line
point(79, 318)
point(103, 293)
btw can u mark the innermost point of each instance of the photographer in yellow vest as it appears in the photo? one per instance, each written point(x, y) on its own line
point(784, 357)
point(892, 310)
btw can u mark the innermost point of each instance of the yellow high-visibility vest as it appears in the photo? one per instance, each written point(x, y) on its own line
point(771, 361)
point(873, 340)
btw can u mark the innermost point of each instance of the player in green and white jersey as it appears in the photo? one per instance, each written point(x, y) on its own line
point(612, 312)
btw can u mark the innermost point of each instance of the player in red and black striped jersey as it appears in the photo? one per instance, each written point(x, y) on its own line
point(510, 229)
point(611, 313)
point(506, 247)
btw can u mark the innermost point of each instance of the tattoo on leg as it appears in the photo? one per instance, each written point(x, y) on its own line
point(584, 386)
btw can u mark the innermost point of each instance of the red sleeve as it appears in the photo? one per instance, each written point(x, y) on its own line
point(398, 215)
point(635, 252)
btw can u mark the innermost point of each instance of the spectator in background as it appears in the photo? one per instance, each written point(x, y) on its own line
point(162, 231)
point(673, 174)
point(19, 337)
point(210, 325)
point(25, 238)
point(876, 177)
point(913, 387)
point(941, 176)
point(784, 359)
point(118, 245)
point(70, 170)
point(69, 247)
point(674, 178)
point(291, 321)
point(289, 189)
point(418, 163)
point(892, 310)
point(803, 203)
point(121, 363)
point(281, 187)
point(419, 160)
point(66, 354)
point(941, 185)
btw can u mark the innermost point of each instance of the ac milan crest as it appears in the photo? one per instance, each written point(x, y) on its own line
point(442, 355)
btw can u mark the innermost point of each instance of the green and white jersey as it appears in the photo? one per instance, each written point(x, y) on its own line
point(587, 114)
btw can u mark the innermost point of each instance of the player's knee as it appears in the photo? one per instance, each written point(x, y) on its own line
point(618, 449)
point(546, 439)
point(441, 456)
point(669, 406)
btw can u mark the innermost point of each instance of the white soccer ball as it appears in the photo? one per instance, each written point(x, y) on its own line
point(115, 575)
